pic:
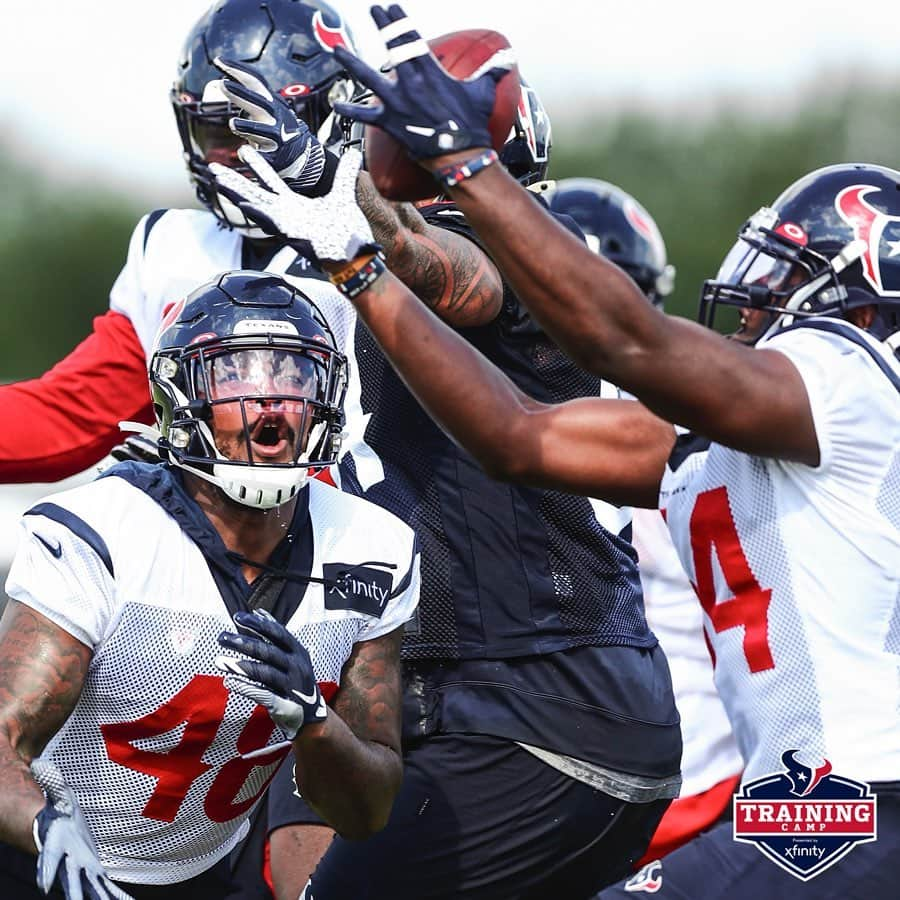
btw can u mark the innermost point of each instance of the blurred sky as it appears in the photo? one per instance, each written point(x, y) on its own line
point(87, 83)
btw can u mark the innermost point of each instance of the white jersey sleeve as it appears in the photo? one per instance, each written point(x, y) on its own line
point(61, 576)
point(400, 607)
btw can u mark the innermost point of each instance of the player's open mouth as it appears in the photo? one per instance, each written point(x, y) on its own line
point(271, 436)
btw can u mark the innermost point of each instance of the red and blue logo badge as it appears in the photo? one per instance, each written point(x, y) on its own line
point(646, 881)
point(805, 818)
point(330, 36)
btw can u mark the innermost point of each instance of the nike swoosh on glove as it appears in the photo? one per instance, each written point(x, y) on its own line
point(272, 127)
point(66, 849)
point(333, 225)
point(427, 110)
point(276, 672)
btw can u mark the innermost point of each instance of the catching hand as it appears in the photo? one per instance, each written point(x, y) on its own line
point(272, 127)
point(428, 111)
point(66, 850)
point(332, 225)
point(277, 672)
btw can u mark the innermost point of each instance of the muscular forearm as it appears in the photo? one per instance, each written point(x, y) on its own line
point(350, 783)
point(41, 673)
point(587, 304)
point(446, 271)
point(682, 372)
point(20, 797)
point(610, 449)
point(469, 397)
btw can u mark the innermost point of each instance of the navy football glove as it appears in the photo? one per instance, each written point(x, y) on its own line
point(272, 127)
point(66, 850)
point(277, 674)
point(428, 111)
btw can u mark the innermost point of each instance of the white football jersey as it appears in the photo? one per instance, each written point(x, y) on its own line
point(173, 252)
point(710, 754)
point(798, 568)
point(166, 763)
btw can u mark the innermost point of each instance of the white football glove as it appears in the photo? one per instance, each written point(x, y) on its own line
point(333, 225)
point(66, 849)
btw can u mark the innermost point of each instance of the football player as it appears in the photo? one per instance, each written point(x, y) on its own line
point(618, 227)
point(517, 799)
point(779, 494)
point(175, 631)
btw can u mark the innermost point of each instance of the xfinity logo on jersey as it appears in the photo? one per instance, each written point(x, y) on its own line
point(360, 588)
point(804, 819)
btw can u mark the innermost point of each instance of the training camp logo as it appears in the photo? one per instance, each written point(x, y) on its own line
point(804, 819)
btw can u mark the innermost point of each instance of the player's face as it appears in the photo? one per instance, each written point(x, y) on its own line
point(257, 399)
point(217, 143)
point(753, 325)
point(746, 265)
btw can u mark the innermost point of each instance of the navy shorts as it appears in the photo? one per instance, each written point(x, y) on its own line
point(481, 818)
point(714, 866)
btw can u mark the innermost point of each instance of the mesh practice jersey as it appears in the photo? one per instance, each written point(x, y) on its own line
point(798, 567)
point(710, 753)
point(166, 763)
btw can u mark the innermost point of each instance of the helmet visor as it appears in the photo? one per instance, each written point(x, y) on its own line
point(264, 402)
point(752, 266)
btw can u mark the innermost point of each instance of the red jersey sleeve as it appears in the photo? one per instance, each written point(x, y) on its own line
point(68, 419)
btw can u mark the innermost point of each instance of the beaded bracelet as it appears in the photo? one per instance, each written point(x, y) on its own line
point(450, 176)
point(358, 275)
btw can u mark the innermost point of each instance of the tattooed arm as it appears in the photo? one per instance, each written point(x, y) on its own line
point(348, 768)
point(42, 670)
point(447, 271)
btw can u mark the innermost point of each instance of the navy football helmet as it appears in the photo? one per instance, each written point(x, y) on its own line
point(248, 387)
point(829, 243)
point(291, 43)
point(526, 153)
point(620, 229)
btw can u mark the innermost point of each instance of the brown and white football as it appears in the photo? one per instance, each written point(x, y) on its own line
point(461, 53)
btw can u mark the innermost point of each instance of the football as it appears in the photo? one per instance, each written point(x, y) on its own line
point(461, 53)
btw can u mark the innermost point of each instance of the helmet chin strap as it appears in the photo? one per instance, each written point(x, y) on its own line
point(254, 485)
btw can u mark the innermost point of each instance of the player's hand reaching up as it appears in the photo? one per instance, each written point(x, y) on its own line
point(428, 111)
point(276, 672)
point(333, 225)
point(270, 126)
point(66, 850)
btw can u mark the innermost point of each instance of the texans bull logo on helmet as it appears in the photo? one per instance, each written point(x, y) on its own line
point(330, 36)
point(879, 231)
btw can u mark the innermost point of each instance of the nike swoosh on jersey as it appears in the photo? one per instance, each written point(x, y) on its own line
point(55, 549)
